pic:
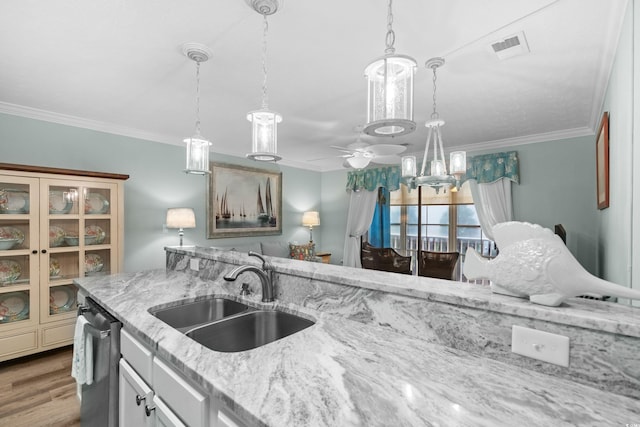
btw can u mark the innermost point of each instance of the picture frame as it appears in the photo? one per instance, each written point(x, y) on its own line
point(602, 162)
point(243, 201)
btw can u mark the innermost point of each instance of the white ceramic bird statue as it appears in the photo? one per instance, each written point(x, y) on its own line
point(534, 262)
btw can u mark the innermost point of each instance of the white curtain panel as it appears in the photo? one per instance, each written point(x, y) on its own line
point(493, 203)
point(362, 205)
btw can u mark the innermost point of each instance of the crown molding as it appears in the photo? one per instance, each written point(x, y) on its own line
point(48, 116)
point(528, 139)
point(63, 119)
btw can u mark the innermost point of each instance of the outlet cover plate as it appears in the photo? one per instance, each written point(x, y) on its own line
point(540, 345)
point(194, 264)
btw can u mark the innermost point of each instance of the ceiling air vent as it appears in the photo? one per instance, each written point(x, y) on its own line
point(511, 46)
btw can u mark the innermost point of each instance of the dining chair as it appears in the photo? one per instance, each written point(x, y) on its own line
point(441, 265)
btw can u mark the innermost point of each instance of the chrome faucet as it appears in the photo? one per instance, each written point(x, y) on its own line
point(265, 274)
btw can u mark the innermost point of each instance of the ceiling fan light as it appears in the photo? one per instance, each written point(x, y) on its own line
point(408, 166)
point(358, 162)
point(264, 141)
point(390, 96)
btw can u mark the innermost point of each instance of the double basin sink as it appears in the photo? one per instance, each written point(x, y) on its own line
point(226, 325)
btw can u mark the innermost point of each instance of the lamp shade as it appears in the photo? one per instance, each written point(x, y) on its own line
point(458, 163)
point(181, 218)
point(408, 166)
point(310, 219)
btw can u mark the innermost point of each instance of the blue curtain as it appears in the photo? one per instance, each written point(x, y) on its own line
point(380, 229)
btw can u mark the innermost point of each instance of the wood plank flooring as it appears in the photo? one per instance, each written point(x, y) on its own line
point(39, 391)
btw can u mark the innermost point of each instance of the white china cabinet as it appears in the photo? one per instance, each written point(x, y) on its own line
point(55, 225)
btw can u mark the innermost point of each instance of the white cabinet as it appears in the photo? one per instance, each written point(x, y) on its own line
point(55, 225)
point(187, 402)
point(136, 399)
point(164, 416)
point(152, 393)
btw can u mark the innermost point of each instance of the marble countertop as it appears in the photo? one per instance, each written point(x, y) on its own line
point(346, 373)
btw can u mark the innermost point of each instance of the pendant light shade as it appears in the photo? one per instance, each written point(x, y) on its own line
point(264, 131)
point(197, 145)
point(390, 90)
point(197, 155)
point(264, 122)
point(390, 96)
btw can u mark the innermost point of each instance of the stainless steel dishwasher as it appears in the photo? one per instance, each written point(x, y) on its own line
point(99, 404)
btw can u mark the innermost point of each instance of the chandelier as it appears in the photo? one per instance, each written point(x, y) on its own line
point(438, 177)
point(197, 145)
point(390, 90)
point(264, 122)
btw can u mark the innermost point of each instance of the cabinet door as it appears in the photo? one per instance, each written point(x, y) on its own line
point(136, 399)
point(164, 416)
point(19, 285)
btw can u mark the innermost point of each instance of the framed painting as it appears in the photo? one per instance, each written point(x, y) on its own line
point(243, 201)
point(602, 162)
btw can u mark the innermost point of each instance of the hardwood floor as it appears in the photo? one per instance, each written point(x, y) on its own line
point(39, 391)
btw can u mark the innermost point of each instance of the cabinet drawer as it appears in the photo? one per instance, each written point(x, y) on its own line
point(137, 355)
point(185, 401)
point(18, 342)
point(58, 335)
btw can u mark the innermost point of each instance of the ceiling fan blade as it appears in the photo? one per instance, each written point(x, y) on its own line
point(386, 149)
point(386, 160)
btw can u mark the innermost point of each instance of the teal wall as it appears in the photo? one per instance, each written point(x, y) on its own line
point(156, 183)
point(558, 186)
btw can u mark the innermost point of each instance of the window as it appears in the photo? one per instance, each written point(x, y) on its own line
point(443, 222)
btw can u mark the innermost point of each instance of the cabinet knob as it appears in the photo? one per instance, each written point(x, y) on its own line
point(44, 251)
point(147, 410)
point(140, 399)
point(35, 251)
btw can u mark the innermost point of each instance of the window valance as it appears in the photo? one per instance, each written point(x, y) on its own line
point(370, 179)
point(485, 168)
point(489, 168)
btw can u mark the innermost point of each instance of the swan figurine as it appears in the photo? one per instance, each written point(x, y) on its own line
point(535, 263)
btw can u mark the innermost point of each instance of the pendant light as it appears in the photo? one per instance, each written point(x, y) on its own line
point(390, 90)
point(438, 176)
point(264, 122)
point(197, 145)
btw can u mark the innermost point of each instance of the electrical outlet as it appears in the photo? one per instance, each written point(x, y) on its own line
point(194, 264)
point(540, 345)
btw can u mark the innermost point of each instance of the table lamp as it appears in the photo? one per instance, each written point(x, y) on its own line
point(310, 219)
point(181, 218)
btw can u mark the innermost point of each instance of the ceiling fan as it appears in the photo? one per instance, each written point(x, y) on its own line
point(359, 154)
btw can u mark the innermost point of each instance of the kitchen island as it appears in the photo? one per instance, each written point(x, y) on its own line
point(347, 369)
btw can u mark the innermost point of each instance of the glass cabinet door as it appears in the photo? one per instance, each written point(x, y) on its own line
point(18, 251)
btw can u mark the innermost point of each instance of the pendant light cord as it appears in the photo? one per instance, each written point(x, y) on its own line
point(391, 36)
point(197, 97)
point(434, 115)
point(264, 62)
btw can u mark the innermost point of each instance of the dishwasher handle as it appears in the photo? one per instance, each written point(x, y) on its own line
point(98, 333)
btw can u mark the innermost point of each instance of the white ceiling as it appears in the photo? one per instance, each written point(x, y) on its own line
point(117, 66)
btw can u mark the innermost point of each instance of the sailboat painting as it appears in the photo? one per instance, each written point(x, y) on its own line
point(243, 201)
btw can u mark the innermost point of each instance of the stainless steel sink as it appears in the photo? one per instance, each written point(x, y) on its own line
point(190, 315)
point(249, 330)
